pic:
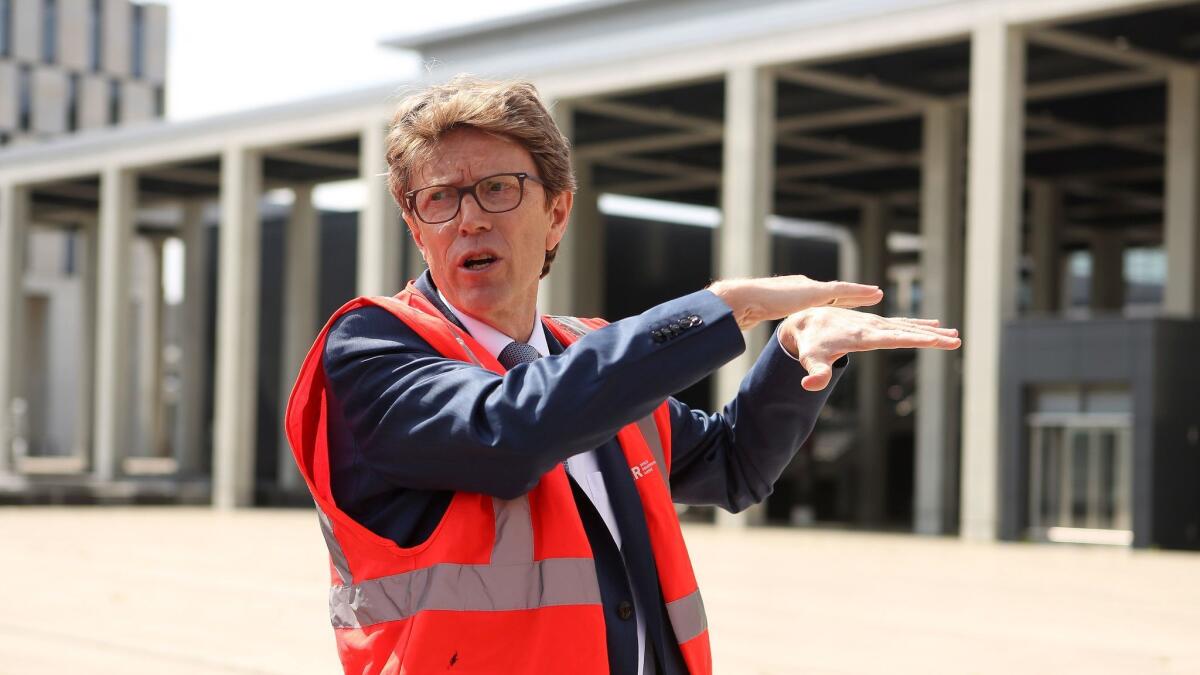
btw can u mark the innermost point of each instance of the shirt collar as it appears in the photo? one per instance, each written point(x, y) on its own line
point(493, 340)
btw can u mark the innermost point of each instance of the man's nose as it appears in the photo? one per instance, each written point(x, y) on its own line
point(471, 217)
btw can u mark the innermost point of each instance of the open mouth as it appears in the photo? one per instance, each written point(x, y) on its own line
point(479, 262)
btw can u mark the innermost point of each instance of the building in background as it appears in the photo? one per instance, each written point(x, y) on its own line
point(1028, 171)
point(69, 67)
point(76, 65)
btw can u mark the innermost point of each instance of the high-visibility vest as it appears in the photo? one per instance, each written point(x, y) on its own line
point(501, 586)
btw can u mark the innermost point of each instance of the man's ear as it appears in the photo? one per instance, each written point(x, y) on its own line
point(560, 215)
point(414, 230)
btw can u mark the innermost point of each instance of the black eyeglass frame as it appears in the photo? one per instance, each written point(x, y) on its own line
point(410, 197)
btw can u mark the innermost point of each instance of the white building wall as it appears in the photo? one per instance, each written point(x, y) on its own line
point(27, 30)
point(49, 101)
point(155, 66)
point(93, 102)
point(117, 28)
point(74, 38)
point(137, 102)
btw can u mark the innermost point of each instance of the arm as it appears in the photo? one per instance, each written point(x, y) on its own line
point(733, 459)
point(423, 421)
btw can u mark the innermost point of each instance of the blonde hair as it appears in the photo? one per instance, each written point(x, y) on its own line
point(507, 108)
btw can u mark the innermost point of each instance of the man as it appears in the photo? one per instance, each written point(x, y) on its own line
point(495, 486)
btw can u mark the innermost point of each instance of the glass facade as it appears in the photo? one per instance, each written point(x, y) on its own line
point(5, 27)
point(49, 31)
point(96, 32)
point(137, 42)
point(25, 98)
point(1080, 465)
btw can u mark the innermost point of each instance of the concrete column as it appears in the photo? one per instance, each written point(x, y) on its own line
point(14, 226)
point(86, 382)
point(874, 416)
point(575, 285)
point(743, 245)
point(1182, 212)
point(118, 204)
point(1108, 271)
point(379, 224)
point(997, 109)
point(150, 362)
point(936, 484)
point(237, 329)
point(1045, 224)
point(193, 345)
point(301, 291)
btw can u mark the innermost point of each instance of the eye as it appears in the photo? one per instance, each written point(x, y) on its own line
point(437, 195)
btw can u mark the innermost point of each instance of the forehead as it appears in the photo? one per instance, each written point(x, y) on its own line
point(466, 155)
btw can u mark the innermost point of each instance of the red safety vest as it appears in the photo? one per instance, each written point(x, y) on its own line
point(501, 586)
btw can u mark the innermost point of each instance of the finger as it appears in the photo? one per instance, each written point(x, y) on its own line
point(919, 325)
point(847, 289)
point(901, 339)
point(819, 374)
point(917, 322)
point(852, 302)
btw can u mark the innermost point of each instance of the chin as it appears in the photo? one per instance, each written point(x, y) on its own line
point(480, 301)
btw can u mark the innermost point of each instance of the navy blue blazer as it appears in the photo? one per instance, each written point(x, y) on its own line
point(409, 427)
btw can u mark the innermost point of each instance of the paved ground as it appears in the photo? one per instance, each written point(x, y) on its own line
point(184, 591)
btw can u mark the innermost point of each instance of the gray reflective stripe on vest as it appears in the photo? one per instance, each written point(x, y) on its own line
point(514, 531)
point(466, 588)
point(336, 555)
point(572, 325)
point(653, 441)
point(687, 616)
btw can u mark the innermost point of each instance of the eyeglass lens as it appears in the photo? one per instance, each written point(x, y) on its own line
point(495, 194)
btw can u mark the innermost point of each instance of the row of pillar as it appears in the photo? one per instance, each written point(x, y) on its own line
point(987, 290)
point(235, 391)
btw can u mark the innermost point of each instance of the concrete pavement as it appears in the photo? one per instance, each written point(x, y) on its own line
point(183, 591)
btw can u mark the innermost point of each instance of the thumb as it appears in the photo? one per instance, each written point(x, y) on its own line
point(819, 374)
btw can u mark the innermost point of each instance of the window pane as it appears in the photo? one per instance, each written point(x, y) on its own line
point(50, 31)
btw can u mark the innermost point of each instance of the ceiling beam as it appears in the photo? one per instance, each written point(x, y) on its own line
point(320, 158)
point(661, 116)
point(1114, 51)
point(1084, 134)
point(656, 143)
point(842, 148)
point(851, 117)
point(859, 87)
point(660, 167)
point(1091, 84)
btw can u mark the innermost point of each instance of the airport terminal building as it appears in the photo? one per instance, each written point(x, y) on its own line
point(1026, 170)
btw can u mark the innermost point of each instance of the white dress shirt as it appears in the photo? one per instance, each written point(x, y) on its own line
point(584, 467)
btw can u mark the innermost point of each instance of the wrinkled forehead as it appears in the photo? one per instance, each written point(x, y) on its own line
point(463, 156)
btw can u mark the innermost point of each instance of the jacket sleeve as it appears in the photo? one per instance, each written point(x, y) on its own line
point(423, 421)
point(733, 458)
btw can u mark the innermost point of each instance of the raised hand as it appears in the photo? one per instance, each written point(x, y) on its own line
point(770, 298)
point(822, 335)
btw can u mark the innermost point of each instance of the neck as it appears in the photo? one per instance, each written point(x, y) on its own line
point(515, 322)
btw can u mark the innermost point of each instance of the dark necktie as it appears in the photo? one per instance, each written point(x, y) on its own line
point(516, 353)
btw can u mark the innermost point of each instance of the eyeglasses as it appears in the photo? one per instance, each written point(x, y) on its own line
point(495, 194)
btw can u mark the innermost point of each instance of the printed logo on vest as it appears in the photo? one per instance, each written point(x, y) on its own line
point(643, 469)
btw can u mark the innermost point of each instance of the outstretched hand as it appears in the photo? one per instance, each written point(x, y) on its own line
point(768, 299)
point(820, 336)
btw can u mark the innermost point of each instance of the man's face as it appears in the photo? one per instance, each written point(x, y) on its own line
point(488, 264)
